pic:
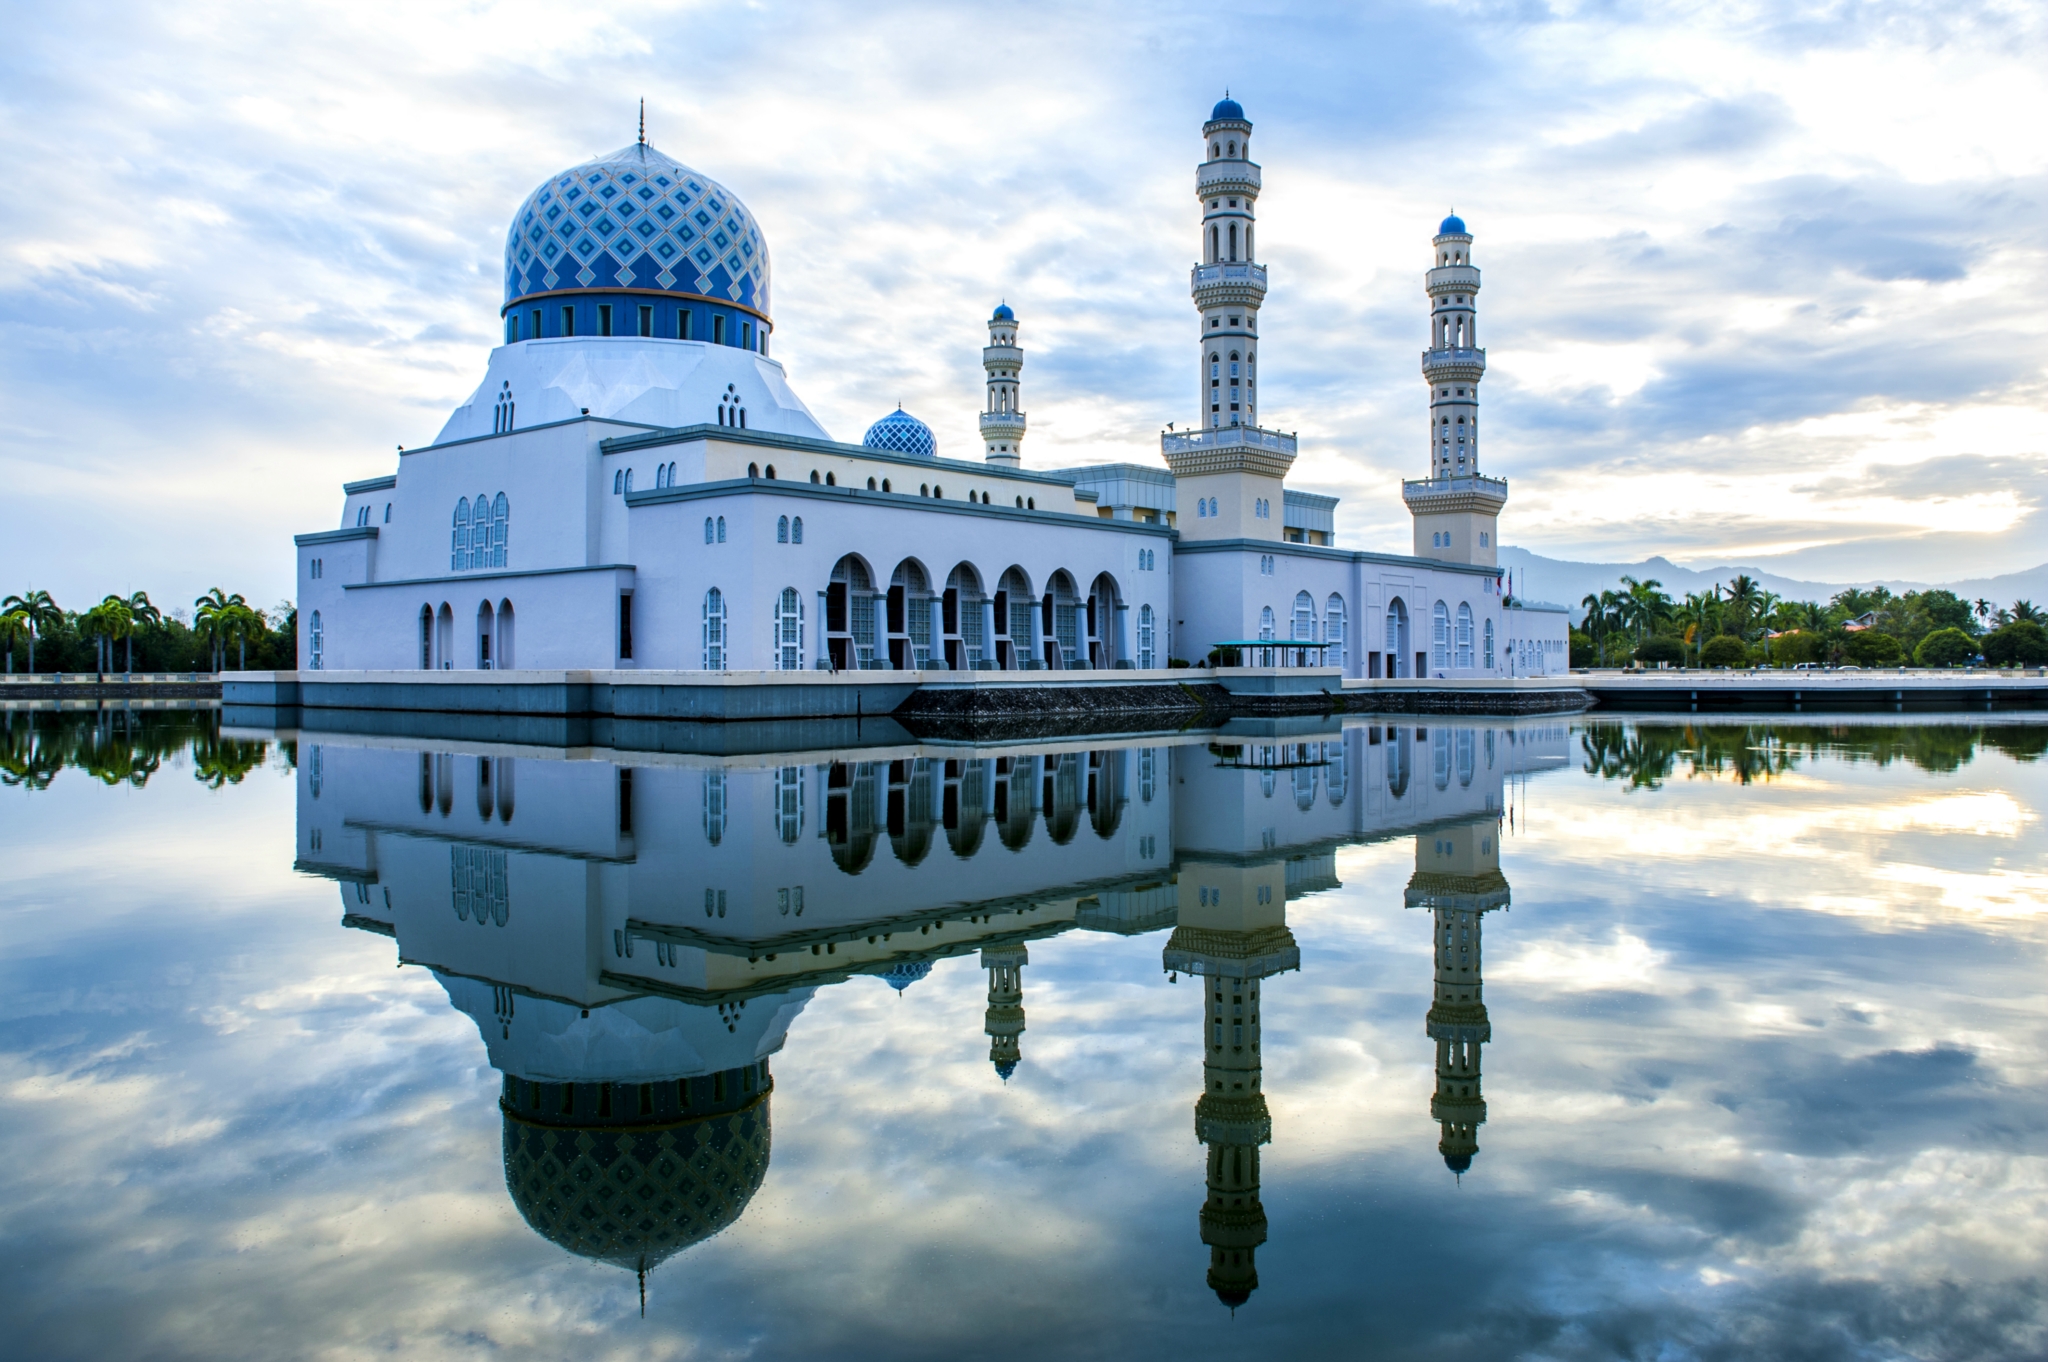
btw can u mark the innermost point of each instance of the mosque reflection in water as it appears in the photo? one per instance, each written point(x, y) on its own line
point(634, 941)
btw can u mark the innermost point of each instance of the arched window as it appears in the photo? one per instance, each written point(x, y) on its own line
point(1487, 635)
point(618, 481)
point(789, 631)
point(1233, 241)
point(458, 555)
point(1335, 619)
point(796, 530)
point(714, 630)
point(629, 480)
point(1440, 637)
point(814, 476)
point(1145, 646)
point(707, 529)
point(501, 531)
point(753, 470)
point(316, 644)
point(1304, 622)
point(721, 529)
point(501, 416)
point(1464, 635)
point(871, 484)
point(1266, 623)
point(782, 529)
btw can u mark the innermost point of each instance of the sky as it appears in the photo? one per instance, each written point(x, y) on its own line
point(1763, 282)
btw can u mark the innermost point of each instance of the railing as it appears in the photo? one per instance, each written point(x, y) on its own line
point(1254, 275)
point(1227, 172)
point(1226, 437)
point(1445, 486)
point(1002, 418)
point(1453, 355)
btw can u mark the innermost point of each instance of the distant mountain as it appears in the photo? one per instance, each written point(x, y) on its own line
point(1567, 583)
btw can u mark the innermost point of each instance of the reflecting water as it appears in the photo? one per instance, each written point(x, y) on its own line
point(1482, 1039)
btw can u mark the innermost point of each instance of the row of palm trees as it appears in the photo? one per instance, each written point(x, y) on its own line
point(218, 617)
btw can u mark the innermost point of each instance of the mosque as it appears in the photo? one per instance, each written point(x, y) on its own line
point(637, 485)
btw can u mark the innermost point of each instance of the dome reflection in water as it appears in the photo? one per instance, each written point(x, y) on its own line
point(635, 938)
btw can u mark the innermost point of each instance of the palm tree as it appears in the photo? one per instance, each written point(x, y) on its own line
point(1743, 597)
point(243, 620)
point(115, 622)
point(1983, 609)
point(13, 625)
point(211, 619)
point(42, 614)
point(140, 613)
point(2024, 610)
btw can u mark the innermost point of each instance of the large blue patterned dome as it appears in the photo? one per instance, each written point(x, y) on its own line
point(901, 433)
point(902, 975)
point(637, 220)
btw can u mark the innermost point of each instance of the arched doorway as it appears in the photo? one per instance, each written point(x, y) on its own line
point(1060, 619)
point(850, 615)
point(1016, 616)
point(1397, 638)
point(504, 655)
point(910, 617)
point(1105, 623)
point(967, 619)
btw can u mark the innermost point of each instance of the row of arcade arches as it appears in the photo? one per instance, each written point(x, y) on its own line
point(915, 620)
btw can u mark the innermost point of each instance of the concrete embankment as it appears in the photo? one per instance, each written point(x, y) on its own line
point(986, 702)
point(1895, 692)
point(70, 687)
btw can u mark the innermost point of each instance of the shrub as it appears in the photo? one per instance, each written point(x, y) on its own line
point(1724, 650)
point(2023, 642)
point(1945, 648)
point(1584, 652)
point(1794, 646)
point(1873, 648)
point(1654, 650)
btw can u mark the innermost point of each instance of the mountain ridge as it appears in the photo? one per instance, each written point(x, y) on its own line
point(1564, 581)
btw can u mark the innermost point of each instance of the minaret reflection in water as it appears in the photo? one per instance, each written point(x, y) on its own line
point(634, 942)
point(1458, 879)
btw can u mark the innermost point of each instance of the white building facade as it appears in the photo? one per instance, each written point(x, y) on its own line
point(636, 484)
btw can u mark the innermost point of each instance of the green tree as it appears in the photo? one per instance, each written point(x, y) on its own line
point(42, 614)
point(2021, 643)
point(141, 615)
point(1873, 648)
point(1744, 595)
point(2024, 610)
point(13, 627)
point(213, 619)
point(1723, 650)
point(1945, 648)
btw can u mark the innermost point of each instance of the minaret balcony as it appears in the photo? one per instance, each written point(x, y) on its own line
point(1228, 449)
point(1002, 420)
point(1452, 279)
point(992, 355)
point(1221, 284)
point(1226, 177)
point(1446, 496)
point(1453, 365)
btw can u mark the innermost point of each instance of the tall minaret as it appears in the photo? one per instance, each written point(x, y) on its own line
point(1004, 1021)
point(1228, 472)
point(1232, 935)
point(1457, 877)
point(1002, 424)
point(1228, 287)
point(1454, 506)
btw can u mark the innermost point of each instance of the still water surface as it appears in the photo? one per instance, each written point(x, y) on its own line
point(1548, 1039)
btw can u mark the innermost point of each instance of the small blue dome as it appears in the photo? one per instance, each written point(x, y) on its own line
point(901, 433)
point(900, 977)
point(1458, 1163)
point(1004, 1068)
point(1226, 107)
point(1452, 225)
point(1002, 314)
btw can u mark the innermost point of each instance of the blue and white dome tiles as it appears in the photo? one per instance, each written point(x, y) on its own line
point(901, 433)
point(637, 219)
